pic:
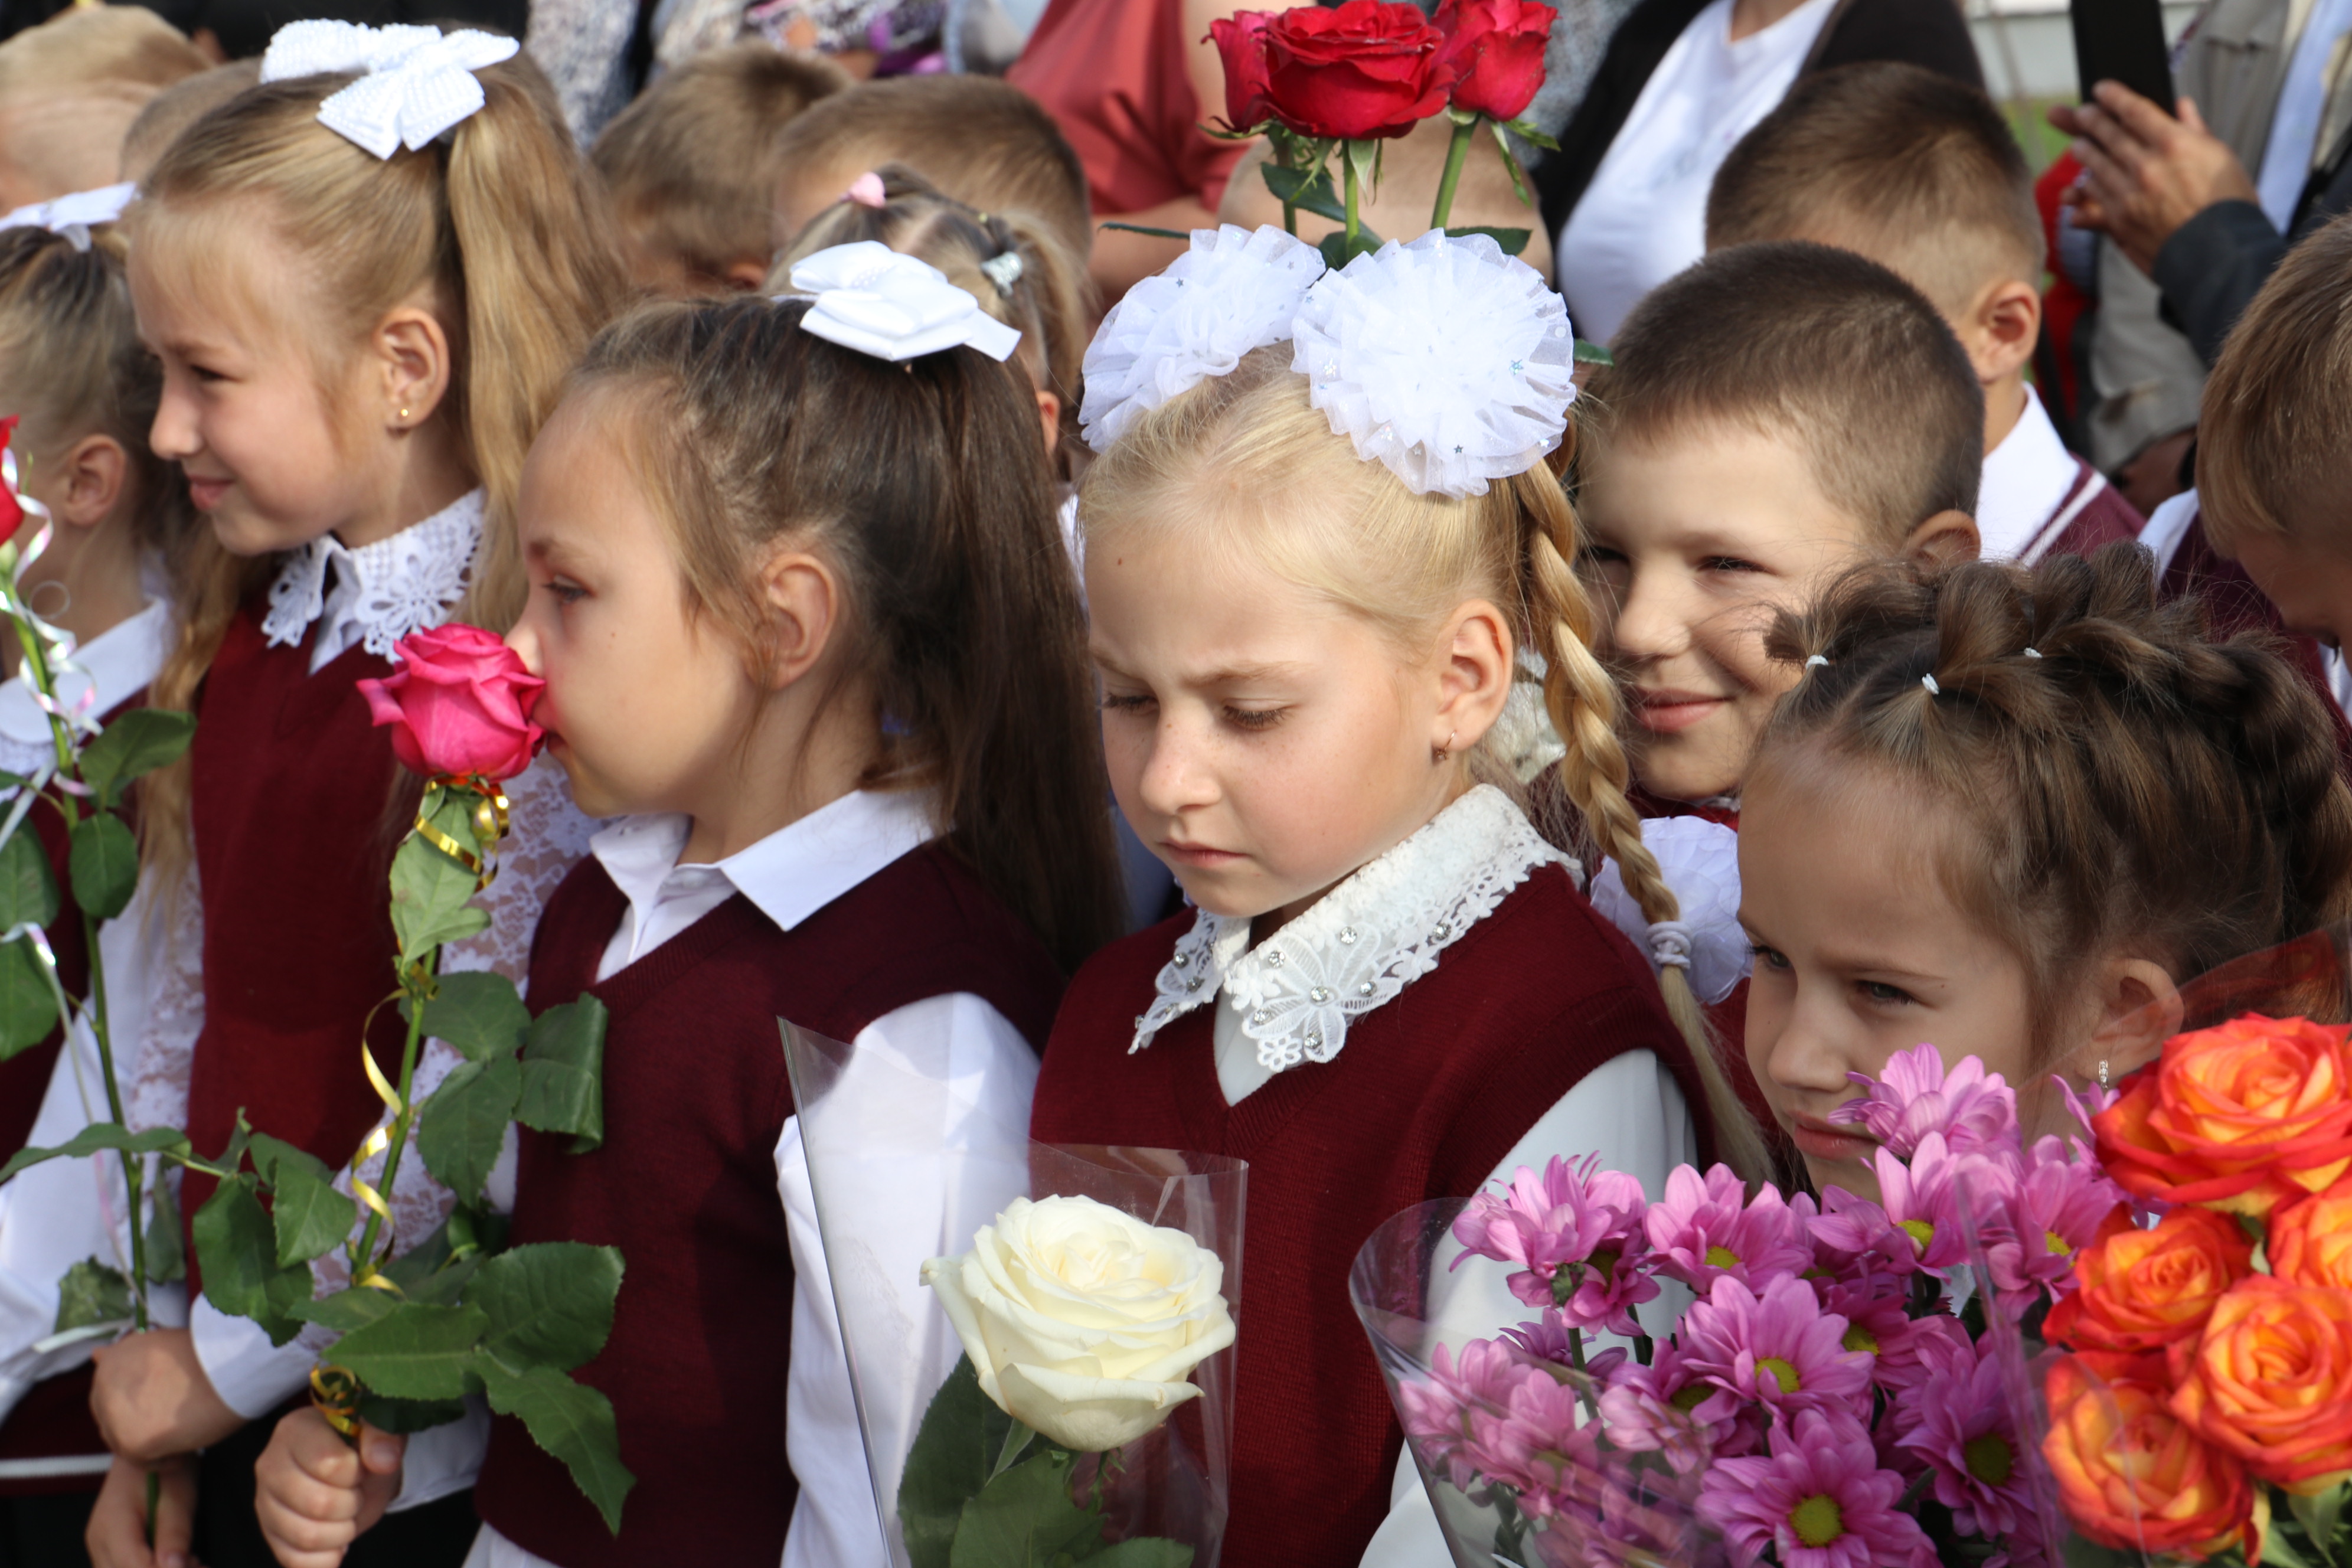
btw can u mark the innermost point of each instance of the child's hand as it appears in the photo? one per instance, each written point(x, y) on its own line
point(153, 1399)
point(316, 1494)
point(117, 1536)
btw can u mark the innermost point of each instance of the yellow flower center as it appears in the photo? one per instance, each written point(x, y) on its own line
point(1919, 1231)
point(1858, 1337)
point(1722, 1258)
point(1689, 1399)
point(2058, 1246)
point(1817, 1521)
point(1989, 1458)
point(1782, 1373)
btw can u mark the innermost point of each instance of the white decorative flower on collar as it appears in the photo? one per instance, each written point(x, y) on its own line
point(1360, 944)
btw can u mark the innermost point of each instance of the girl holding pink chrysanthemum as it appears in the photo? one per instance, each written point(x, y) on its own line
point(1320, 532)
point(2005, 811)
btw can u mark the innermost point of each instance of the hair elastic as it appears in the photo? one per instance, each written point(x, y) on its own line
point(1929, 682)
point(2033, 653)
point(867, 191)
point(1003, 270)
point(1817, 661)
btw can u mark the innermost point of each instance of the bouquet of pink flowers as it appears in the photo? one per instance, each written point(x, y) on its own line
point(1844, 1389)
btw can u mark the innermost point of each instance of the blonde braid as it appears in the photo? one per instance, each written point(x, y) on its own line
point(1582, 700)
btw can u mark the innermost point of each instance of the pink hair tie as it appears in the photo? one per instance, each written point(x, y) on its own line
point(867, 191)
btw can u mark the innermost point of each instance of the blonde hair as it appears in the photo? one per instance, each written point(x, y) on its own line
point(176, 107)
point(1350, 531)
point(504, 229)
point(1046, 301)
point(83, 45)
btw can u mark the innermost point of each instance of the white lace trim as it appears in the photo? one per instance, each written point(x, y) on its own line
point(1360, 944)
point(383, 590)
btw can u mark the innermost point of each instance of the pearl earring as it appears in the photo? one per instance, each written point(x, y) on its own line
point(404, 416)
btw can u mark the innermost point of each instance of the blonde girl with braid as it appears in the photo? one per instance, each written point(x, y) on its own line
point(1319, 531)
point(2008, 811)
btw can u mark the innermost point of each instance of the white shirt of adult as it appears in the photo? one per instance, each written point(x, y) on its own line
point(791, 875)
point(2302, 105)
point(1643, 218)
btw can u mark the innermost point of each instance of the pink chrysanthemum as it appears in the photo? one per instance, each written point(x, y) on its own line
point(1540, 1447)
point(1552, 1338)
point(2061, 1205)
point(1924, 1198)
point(1818, 1500)
point(1576, 1233)
point(1779, 1347)
point(1437, 1410)
point(1705, 1230)
point(1854, 1239)
point(1974, 1110)
point(1668, 1409)
point(1957, 1420)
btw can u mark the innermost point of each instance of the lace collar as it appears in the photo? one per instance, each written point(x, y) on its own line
point(382, 592)
point(1362, 942)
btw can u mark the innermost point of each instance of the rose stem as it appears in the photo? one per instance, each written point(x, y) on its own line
point(1355, 224)
point(1458, 153)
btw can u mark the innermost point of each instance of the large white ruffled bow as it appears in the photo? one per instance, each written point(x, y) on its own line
point(872, 299)
point(74, 215)
point(1443, 358)
point(416, 83)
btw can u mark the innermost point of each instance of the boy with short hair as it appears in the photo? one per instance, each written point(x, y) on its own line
point(982, 142)
point(1920, 174)
point(693, 162)
point(1776, 413)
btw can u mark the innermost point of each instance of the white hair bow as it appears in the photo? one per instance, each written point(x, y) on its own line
point(74, 215)
point(894, 307)
point(415, 82)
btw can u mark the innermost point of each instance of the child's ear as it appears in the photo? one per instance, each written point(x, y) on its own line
point(747, 275)
point(1944, 539)
point(95, 469)
point(2139, 1008)
point(2003, 329)
point(1049, 411)
point(804, 601)
point(1474, 678)
point(412, 351)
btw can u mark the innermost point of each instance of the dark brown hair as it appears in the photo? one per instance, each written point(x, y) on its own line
point(983, 141)
point(1907, 166)
point(1802, 340)
point(693, 164)
point(926, 485)
point(2275, 433)
point(2127, 783)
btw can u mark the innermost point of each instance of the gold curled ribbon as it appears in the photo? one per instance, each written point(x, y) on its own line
point(489, 824)
point(363, 1269)
point(335, 1394)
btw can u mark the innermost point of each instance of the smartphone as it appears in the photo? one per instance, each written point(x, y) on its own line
point(2122, 40)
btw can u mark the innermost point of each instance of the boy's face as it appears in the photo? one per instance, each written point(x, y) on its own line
point(2306, 575)
point(1694, 539)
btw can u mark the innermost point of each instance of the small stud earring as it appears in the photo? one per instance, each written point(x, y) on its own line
point(2102, 1072)
point(404, 416)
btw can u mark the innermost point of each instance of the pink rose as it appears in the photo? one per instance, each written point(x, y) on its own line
point(460, 704)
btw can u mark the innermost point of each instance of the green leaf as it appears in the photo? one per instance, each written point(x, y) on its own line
point(138, 742)
point(1147, 228)
point(167, 1255)
point(415, 1350)
point(274, 1157)
point(433, 1271)
point(1589, 352)
point(1026, 1518)
point(238, 1251)
point(571, 1421)
point(1364, 157)
point(29, 1001)
point(431, 890)
point(406, 1416)
point(91, 1294)
point(1529, 133)
point(1338, 253)
point(550, 1303)
point(1511, 240)
point(2319, 1515)
point(1143, 1551)
point(464, 1124)
point(347, 1310)
point(100, 1135)
point(564, 1073)
point(2279, 1551)
point(104, 861)
point(954, 1453)
point(477, 1228)
point(1308, 190)
point(311, 1218)
point(480, 1015)
point(28, 889)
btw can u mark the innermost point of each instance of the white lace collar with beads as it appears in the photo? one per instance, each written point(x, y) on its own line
point(382, 592)
point(1361, 944)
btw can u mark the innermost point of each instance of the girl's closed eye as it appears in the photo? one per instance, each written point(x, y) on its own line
point(1728, 564)
point(1126, 702)
point(1255, 718)
point(565, 591)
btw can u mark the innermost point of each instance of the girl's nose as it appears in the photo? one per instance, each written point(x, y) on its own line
point(524, 640)
point(174, 433)
point(1650, 622)
point(1174, 778)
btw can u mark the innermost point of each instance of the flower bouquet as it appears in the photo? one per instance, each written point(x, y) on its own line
point(1840, 1391)
point(1039, 1337)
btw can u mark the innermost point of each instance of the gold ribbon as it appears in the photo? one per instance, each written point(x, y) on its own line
point(489, 824)
point(363, 1270)
point(335, 1394)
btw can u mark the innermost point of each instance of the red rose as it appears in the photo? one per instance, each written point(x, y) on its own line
point(12, 511)
point(460, 704)
point(1368, 68)
point(1496, 48)
point(1241, 44)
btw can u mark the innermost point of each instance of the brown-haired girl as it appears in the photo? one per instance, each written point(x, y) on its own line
point(2004, 812)
point(1318, 532)
point(365, 295)
point(72, 368)
point(806, 632)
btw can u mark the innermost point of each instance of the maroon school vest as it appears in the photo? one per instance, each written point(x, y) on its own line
point(684, 1184)
point(2095, 512)
point(1427, 1096)
point(294, 831)
point(2234, 603)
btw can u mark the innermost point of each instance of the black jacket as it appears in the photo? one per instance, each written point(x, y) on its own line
point(1928, 33)
point(2213, 265)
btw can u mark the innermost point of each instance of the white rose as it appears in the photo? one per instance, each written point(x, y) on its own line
point(1084, 1323)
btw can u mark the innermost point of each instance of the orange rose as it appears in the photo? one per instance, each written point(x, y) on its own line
point(2245, 1117)
point(2271, 1381)
point(2311, 1242)
point(2141, 1289)
point(2131, 1475)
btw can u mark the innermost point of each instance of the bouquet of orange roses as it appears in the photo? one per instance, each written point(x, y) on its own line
point(2206, 1409)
